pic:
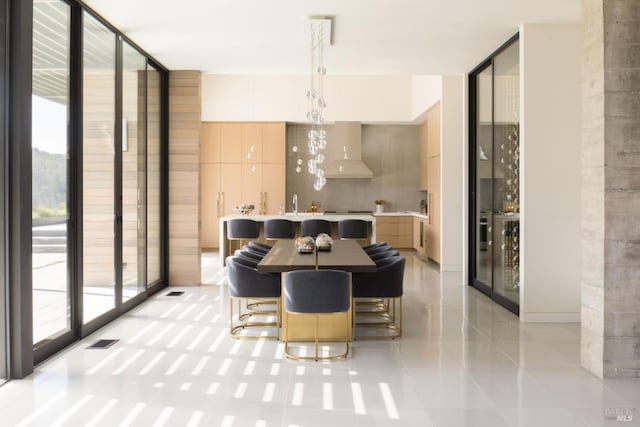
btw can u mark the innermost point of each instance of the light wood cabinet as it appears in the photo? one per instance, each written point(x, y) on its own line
point(251, 143)
point(420, 236)
point(274, 143)
point(230, 142)
point(210, 205)
point(433, 131)
point(230, 177)
point(397, 231)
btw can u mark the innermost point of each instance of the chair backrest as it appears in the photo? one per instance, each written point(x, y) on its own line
point(384, 254)
point(353, 229)
point(247, 282)
point(253, 253)
point(374, 246)
point(279, 229)
point(240, 228)
point(259, 247)
point(316, 291)
point(385, 282)
point(378, 249)
point(313, 227)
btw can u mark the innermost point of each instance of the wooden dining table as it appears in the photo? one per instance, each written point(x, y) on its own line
point(346, 255)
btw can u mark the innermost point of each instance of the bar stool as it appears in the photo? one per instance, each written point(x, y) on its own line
point(279, 229)
point(313, 227)
point(241, 229)
point(356, 229)
point(317, 292)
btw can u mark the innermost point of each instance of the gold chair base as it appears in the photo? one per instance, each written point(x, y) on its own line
point(392, 321)
point(234, 328)
point(316, 356)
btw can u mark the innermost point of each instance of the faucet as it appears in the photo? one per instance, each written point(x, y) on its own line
point(295, 204)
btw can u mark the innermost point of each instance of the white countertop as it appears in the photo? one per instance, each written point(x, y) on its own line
point(403, 213)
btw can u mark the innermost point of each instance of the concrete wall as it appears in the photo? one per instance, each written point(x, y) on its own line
point(452, 173)
point(391, 152)
point(550, 173)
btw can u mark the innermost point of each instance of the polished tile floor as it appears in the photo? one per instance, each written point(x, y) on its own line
point(463, 361)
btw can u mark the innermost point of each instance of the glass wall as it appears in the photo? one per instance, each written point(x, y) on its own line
point(98, 168)
point(3, 163)
point(495, 185)
point(154, 132)
point(133, 171)
point(50, 175)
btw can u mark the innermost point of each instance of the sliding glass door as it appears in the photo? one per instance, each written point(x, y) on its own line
point(494, 174)
point(50, 170)
point(99, 216)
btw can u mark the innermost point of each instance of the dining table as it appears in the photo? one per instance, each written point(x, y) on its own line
point(345, 255)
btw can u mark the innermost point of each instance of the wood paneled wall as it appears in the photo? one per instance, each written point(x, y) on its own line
point(184, 178)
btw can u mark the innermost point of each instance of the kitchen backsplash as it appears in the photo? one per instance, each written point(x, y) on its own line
point(392, 152)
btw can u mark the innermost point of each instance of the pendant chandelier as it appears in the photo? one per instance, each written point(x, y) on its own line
point(320, 34)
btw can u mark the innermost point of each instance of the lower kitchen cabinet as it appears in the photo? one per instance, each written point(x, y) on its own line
point(397, 231)
point(420, 237)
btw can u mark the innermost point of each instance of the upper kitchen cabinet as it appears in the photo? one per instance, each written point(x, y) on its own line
point(231, 142)
point(274, 141)
point(210, 146)
point(433, 131)
point(251, 143)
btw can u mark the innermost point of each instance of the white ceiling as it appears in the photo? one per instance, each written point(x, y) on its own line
point(370, 36)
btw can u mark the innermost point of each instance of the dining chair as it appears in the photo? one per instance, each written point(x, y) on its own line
point(279, 229)
point(319, 293)
point(356, 229)
point(374, 246)
point(313, 227)
point(240, 229)
point(386, 283)
point(247, 284)
point(259, 247)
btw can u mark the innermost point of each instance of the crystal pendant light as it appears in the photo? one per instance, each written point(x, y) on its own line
point(317, 137)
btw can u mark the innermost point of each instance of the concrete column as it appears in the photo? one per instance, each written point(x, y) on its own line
point(611, 187)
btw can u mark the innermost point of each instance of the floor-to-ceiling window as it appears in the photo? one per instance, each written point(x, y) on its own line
point(99, 216)
point(50, 172)
point(133, 171)
point(495, 182)
point(154, 150)
point(3, 189)
point(91, 91)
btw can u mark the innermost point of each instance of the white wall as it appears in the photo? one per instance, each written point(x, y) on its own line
point(376, 99)
point(550, 172)
point(452, 172)
point(425, 92)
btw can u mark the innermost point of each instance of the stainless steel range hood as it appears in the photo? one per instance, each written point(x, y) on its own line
point(344, 153)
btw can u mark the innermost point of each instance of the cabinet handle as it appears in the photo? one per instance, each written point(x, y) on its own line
point(222, 202)
point(264, 204)
point(218, 204)
point(430, 207)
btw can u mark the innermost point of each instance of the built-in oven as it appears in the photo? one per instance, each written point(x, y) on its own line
point(483, 228)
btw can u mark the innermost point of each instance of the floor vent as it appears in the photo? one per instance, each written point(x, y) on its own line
point(103, 344)
point(175, 293)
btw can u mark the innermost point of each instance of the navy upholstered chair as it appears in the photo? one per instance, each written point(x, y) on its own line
point(247, 284)
point(357, 229)
point(259, 247)
point(378, 256)
point(279, 229)
point(317, 292)
point(313, 227)
point(254, 253)
point(374, 246)
point(386, 283)
point(376, 250)
point(241, 229)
